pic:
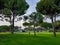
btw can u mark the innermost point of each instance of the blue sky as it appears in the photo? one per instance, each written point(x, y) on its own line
point(32, 5)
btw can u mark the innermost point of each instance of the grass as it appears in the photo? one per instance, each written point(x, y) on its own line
point(42, 38)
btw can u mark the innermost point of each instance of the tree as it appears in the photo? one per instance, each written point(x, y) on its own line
point(46, 25)
point(35, 18)
point(50, 9)
point(25, 18)
point(14, 8)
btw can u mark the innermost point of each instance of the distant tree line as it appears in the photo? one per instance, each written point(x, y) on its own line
point(5, 28)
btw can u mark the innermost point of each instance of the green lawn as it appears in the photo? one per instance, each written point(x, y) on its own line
point(42, 38)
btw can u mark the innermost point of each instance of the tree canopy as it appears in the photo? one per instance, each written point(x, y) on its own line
point(16, 6)
point(48, 7)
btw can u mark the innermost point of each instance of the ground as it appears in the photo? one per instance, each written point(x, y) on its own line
point(42, 38)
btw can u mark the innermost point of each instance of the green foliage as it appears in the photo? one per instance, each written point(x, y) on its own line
point(16, 6)
point(58, 25)
point(6, 11)
point(58, 22)
point(4, 28)
point(46, 25)
point(1, 4)
point(25, 18)
point(36, 17)
point(25, 24)
point(57, 2)
point(28, 24)
point(48, 7)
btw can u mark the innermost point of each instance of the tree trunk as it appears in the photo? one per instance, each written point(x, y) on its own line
point(10, 25)
point(29, 29)
point(34, 31)
point(53, 26)
point(13, 25)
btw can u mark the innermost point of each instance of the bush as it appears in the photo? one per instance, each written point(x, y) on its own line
point(4, 28)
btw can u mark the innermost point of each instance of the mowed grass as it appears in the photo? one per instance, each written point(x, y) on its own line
point(42, 38)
